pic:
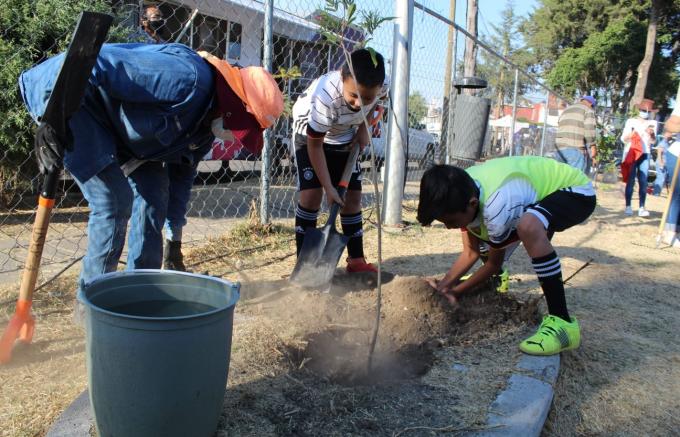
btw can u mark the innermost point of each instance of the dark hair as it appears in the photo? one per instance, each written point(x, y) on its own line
point(367, 73)
point(444, 189)
point(149, 6)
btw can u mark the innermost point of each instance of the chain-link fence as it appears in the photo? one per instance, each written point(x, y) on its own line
point(230, 181)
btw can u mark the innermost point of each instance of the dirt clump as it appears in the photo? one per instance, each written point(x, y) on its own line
point(487, 311)
point(413, 312)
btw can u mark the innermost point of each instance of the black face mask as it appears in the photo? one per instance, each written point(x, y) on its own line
point(156, 24)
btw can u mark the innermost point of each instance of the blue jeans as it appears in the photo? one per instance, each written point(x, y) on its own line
point(673, 219)
point(181, 178)
point(660, 180)
point(577, 158)
point(639, 170)
point(114, 199)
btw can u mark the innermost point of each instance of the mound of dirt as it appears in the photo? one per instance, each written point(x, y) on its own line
point(487, 311)
point(413, 312)
point(329, 334)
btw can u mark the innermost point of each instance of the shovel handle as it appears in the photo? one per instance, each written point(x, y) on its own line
point(344, 180)
point(22, 324)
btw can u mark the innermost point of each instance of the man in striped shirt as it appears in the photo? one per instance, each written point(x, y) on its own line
point(575, 138)
point(328, 119)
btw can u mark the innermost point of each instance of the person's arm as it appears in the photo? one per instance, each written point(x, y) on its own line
point(661, 155)
point(492, 266)
point(593, 152)
point(589, 133)
point(361, 137)
point(463, 263)
point(627, 131)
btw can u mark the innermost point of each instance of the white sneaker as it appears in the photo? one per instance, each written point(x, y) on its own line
point(629, 210)
point(643, 213)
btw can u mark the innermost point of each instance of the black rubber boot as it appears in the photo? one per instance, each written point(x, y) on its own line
point(172, 256)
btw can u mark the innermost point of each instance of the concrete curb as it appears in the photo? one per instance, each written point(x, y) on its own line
point(521, 409)
point(76, 420)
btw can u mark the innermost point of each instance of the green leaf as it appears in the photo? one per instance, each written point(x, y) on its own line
point(374, 57)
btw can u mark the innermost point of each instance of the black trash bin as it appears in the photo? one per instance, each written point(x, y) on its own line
point(470, 120)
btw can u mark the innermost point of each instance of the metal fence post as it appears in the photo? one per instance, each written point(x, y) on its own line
point(545, 120)
point(267, 149)
point(448, 83)
point(452, 102)
point(514, 113)
point(403, 31)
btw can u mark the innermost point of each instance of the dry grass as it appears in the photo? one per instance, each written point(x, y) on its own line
point(44, 378)
point(624, 379)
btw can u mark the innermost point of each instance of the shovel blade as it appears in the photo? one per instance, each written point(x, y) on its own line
point(319, 256)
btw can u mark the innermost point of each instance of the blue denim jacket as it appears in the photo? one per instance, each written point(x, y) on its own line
point(143, 101)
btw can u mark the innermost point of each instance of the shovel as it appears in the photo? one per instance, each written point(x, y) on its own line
point(322, 248)
point(65, 99)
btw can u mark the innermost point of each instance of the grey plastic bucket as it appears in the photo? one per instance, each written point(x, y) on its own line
point(158, 348)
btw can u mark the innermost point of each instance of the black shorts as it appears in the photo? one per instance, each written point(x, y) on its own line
point(335, 160)
point(563, 209)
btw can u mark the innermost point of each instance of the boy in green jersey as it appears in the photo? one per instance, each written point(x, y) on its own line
point(501, 202)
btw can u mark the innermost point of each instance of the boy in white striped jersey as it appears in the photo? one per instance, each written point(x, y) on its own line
point(328, 119)
point(503, 201)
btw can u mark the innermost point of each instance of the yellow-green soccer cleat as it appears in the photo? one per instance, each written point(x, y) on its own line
point(503, 281)
point(553, 336)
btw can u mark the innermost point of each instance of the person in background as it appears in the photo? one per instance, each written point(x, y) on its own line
point(180, 175)
point(671, 229)
point(661, 150)
point(575, 139)
point(152, 23)
point(638, 136)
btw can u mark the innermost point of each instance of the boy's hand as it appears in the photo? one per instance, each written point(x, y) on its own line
point(443, 290)
point(332, 197)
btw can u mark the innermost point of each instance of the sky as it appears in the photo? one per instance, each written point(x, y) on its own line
point(430, 37)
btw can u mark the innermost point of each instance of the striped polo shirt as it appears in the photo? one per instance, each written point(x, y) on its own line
point(323, 109)
point(576, 126)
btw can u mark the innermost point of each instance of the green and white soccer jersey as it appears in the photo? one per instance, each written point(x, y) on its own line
point(509, 185)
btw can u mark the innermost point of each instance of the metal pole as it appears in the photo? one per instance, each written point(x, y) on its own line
point(446, 103)
point(514, 113)
point(450, 137)
point(403, 30)
point(267, 149)
point(545, 120)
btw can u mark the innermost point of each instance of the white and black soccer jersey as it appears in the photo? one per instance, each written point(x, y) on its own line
point(510, 201)
point(323, 109)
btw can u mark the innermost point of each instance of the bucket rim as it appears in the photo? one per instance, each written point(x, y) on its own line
point(236, 286)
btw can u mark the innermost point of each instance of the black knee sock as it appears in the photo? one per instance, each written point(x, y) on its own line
point(304, 218)
point(549, 272)
point(352, 226)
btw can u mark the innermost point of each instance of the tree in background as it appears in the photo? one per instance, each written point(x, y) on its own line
point(556, 25)
point(417, 109)
point(470, 45)
point(506, 39)
point(650, 48)
point(597, 47)
point(31, 31)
